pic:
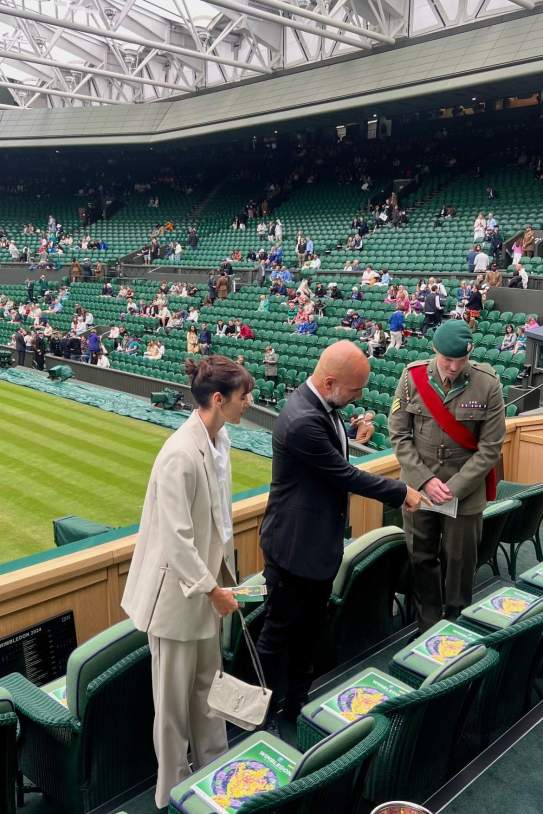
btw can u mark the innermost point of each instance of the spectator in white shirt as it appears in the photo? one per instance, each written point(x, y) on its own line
point(482, 262)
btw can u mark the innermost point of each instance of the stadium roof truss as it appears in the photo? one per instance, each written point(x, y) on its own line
point(58, 53)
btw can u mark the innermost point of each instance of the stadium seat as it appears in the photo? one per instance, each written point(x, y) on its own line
point(325, 777)
point(363, 594)
point(524, 523)
point(495, 516)
point(416, 756)
point(8, 752)
point(80, 731)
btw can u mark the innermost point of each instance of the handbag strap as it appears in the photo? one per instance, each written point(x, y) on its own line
point(252, 651)
point(257, 664)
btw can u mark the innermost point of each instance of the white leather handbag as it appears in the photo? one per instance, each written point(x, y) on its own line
point(244, 705)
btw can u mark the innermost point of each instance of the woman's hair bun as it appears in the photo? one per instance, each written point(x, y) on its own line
point(202, 369)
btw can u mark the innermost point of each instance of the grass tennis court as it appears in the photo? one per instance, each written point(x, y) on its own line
point(59, 457)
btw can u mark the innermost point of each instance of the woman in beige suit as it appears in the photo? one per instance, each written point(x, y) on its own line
point(183, 556)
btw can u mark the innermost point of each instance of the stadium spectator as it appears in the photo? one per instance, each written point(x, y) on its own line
point(470, 258)
point(516, 251)
point(20, 346)
point(509, 338)
point(474, 305)
point(396, 326)
point(220, 329)
point(222, 286)
point(93, 347)
point(528, 242)
point(519, 278)
point(153, 350)
point(74, 347)
point(520, 344)
point(496, 244)
point(193, 346)
point(230, 329)
point(334, 292)
point(183, 551)
point(204, 339)
point(433, 310)
point(365, 427)
point(482, 262)
point(377, 342)
point(493, 277)
point(309, 327)
point(479, 228)
point(270, 364)
point(245, 332)
point(193, 239)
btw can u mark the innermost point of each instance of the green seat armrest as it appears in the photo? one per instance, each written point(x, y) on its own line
point(33, 703)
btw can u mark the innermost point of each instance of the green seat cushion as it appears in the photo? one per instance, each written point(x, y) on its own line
point(352, 700)
point(504, 607)
point(208, 788)
point(92, 658)
point(358, 549)
point(439, 645)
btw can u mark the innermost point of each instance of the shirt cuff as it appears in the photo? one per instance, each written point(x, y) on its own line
point(203, 586)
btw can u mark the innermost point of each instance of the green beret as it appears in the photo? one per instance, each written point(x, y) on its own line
point(454, 339)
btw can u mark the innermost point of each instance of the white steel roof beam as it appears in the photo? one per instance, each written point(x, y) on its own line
point(53, 92)
point(252, 11)
point(24, 14)
point(324, 19)
point(53, 63)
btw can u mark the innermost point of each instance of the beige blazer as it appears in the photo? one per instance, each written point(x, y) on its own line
point(180, 555)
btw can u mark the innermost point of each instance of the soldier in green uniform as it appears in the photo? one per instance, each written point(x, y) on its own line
point(443, 549)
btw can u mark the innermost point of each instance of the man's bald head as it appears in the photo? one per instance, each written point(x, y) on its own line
point(341, 373)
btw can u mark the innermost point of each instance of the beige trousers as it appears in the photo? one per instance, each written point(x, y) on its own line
point(182, 675)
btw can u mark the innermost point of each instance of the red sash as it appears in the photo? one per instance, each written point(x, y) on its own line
point(448, 423)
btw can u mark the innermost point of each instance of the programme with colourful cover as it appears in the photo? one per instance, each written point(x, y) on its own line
point(255, 770)
point(357, 700)
point(510, 602)
point(446, 643)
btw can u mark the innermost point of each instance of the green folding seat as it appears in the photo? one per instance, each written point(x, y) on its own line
point(325, 776)
point(80, 731)
point(8, 752)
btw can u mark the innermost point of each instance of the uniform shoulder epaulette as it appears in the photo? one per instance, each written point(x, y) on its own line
point(418, 362)
point(484, 367)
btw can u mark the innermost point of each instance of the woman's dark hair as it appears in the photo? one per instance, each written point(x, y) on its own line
point(509, 326)
point(216, 374)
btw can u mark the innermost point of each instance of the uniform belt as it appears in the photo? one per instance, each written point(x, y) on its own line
point(442, 452)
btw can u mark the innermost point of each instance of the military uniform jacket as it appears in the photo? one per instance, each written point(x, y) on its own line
point(425, 451)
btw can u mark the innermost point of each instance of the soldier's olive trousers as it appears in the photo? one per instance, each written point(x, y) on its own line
point(443, 554)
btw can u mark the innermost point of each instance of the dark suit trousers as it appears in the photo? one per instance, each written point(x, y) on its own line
point(295, 613)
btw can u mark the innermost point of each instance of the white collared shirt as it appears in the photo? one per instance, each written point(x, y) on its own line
point(329, 408)
point(220, 454)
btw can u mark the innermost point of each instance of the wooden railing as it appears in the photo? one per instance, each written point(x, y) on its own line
point(91, 582)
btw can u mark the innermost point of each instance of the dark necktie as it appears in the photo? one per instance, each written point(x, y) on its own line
point(338, 424)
